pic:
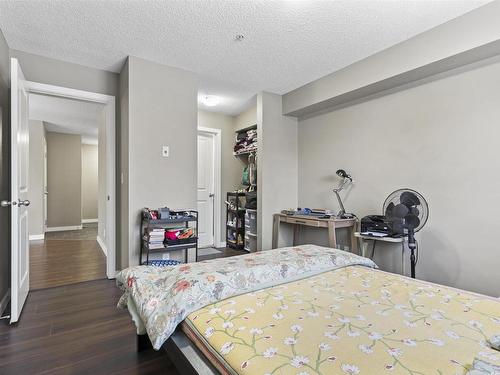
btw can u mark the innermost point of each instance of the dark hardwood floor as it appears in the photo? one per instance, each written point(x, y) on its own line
point(77, 329)
point(56, 262)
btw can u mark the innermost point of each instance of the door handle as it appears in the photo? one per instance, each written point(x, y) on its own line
point(6, 203)
point(23, 203)
point(211, 195)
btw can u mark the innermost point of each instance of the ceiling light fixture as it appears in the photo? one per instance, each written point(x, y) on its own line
point(210, 100)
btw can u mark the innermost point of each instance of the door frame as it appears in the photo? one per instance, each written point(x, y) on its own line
point(217, 137)
point(109, 107)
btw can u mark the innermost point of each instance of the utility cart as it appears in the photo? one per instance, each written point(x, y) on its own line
point(154, 240)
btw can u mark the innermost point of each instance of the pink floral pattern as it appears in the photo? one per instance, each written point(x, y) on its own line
point(180, 290)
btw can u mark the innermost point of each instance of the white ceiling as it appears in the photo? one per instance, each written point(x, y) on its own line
point(287, 43)
point(67, 116)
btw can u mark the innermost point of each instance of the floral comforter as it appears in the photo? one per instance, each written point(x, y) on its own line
point(165, 296)
point(353, 320)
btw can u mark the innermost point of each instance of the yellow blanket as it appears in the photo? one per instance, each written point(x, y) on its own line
point(353, 320)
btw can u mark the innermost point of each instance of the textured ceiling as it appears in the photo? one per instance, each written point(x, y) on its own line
point(67, 116)
point(287, 43)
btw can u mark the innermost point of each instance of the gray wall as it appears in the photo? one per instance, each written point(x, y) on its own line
point(232, 167)
point(277, 170)
point(36, 178)
point(246, 118)
point(64, 179)
point(90, 183)
point(122, 148)
point(60, 73)
point(4, 165)
point(442, 139)
point(102, 213)
point(162, 110)
point(432, 51)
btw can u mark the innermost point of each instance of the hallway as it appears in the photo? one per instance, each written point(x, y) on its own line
point(66, 258)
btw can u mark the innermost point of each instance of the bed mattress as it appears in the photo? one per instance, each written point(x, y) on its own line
point(352, 320)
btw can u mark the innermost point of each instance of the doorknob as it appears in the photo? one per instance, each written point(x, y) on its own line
point(23, 203)
point(6, 203)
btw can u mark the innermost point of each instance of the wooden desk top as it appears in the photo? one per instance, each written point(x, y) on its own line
point(314, 221)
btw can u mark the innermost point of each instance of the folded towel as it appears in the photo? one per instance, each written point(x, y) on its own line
point(480, 367)
point(494, 342)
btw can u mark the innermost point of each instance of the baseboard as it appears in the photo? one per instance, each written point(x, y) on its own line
point(5, 301)
point(37, 237)
point(61, 229)
point(222, 244)
point(102, 246)
point(86, 221)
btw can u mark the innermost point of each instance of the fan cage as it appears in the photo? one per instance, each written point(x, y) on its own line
point(395, 197)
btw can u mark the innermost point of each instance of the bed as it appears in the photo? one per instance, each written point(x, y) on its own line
point(308, 310)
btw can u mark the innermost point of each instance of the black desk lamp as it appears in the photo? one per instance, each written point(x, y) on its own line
point(346, 179)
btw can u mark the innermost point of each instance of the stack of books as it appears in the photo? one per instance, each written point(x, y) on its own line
point(155, 238)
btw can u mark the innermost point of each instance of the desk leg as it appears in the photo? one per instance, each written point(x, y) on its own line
point(364, 246)
point(403, 268)
point(354, 240)
point(332, 237)
point(296, 231)
point(276, 228)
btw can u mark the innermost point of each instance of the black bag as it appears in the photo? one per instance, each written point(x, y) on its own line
point(251, 198)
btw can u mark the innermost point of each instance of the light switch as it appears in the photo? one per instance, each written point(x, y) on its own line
point(165, 151)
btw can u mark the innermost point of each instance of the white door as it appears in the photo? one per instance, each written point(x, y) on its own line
point(45, 191)
point(206, 159)
point(20, 276)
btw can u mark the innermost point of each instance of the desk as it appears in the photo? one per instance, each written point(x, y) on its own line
point(298, 221)
point(364, 245)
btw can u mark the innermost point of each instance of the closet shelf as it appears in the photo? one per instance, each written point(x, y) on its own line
point(246, 152)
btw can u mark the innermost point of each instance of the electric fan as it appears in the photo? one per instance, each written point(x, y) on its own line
point(407, 212)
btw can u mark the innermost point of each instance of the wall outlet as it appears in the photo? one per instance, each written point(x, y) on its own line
point(346, 248)
point(165, 151)
point(165, 256)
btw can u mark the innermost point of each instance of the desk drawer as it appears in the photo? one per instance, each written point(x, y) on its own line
point(300, 221)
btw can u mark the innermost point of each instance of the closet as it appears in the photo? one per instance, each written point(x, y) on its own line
point(241, 213)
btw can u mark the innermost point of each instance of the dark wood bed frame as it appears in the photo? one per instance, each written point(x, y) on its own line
point(184, 355)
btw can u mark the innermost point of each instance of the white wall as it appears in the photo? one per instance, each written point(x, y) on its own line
point(442, 139)
point(162, 110)
point(36, 177)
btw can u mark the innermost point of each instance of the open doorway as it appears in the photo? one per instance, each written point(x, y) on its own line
point(21, 259)
point(71, 169)
point(67, 191)
point(209, 190)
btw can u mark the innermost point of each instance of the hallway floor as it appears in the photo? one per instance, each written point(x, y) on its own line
point(66, 258)
point(88, 232)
